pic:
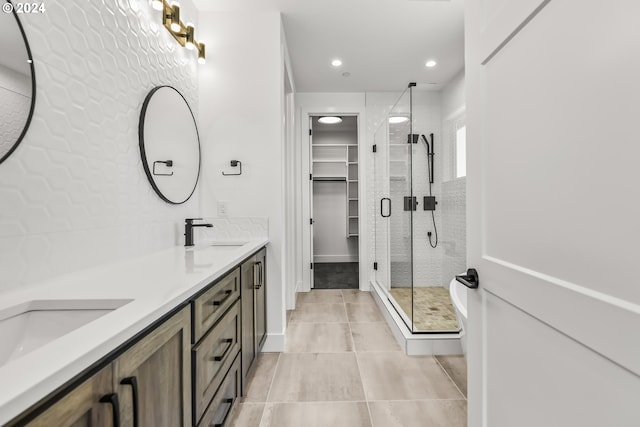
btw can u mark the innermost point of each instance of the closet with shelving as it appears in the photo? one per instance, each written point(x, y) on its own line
point(335, 204)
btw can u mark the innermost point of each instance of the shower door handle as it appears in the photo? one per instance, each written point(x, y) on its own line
point(470, 280)
point(381, 206)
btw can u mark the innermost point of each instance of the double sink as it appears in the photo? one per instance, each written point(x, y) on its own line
point(30, 325)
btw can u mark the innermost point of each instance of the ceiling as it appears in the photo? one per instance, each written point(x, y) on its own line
point(383, 44)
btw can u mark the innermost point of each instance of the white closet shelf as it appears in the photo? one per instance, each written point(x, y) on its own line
point(329, 161)
point(334, 145)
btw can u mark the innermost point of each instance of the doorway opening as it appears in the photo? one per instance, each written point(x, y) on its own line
point(334, 201)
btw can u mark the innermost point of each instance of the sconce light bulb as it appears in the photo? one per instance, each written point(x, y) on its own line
point(201, 54)
point(157, 4)
point(189, 41)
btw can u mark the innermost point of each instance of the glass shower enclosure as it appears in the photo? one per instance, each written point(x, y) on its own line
point(413, 254)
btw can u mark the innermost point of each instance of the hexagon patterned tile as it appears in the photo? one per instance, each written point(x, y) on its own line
point(74, 194)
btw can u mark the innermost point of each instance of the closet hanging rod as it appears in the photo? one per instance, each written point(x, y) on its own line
point(336, 179)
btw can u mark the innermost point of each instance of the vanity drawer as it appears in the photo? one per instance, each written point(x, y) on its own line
point(218, 413)
point(211, 305)
point(213, 357)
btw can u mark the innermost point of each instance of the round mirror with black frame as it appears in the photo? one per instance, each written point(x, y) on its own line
point(169, 144)
point(17, 81)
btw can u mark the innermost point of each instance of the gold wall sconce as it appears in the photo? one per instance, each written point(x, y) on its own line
point(184, 34)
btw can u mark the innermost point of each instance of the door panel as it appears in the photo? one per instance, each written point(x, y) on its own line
point(81, 407)
point(551, 167)
point(161, 365)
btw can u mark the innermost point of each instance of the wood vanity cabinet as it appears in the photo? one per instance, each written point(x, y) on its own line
point(153, 377)
point(81, 407)
point(254, 320)
point(146, 386)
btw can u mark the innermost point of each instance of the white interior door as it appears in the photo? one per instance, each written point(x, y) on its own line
point(311, 278)
point(554, 212)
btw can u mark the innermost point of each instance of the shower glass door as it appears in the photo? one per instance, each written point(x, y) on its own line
point(394, 214)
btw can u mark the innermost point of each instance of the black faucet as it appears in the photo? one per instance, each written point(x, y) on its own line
point(188, 229)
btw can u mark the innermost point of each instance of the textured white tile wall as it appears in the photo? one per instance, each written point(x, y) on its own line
point(74, 194)
point(427, 265)
point(15, 96)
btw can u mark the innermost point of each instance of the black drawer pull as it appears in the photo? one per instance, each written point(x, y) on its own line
point(226, 415)
point(227, 294)
point(220, 358)
point(133, 382)
point(112, 399)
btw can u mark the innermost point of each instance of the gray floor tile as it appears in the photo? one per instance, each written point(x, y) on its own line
point(318, 338)
point(247, 415)
point(319, 313)
point(317, 377)
point(260, 380)
point(326, 296)
point(373, 337)
point(316, 414)
point(456, 367)
point(425, 413)
point(357, 297)
point(363, 313)
point(395, 376)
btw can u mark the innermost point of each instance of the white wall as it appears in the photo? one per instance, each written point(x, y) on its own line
point(74, 194)
point(241, 110)
point(454, 190)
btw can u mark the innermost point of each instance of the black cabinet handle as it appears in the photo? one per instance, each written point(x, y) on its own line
point(470, 280)
point(381, 204)
point(226, 415)
point(220, 358)
point(258, 282)
point(133, 382)
point(112, 399)
point(227, 294)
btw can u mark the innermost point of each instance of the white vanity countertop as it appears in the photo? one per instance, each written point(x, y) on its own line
point(155, 283)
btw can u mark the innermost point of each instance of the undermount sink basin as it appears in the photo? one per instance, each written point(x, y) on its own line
point(28, 326)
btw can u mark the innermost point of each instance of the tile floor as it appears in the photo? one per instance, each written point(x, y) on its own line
point(343, 368)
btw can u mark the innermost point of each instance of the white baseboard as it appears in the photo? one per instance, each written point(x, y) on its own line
point(334, 258)
point(274, 343)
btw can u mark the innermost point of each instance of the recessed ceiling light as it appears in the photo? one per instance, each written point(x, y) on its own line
point(336, 62)
point(398, 119)
point(431, 63)
point(330, 120)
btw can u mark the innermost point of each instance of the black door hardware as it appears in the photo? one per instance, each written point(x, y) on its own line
point(112, 399)
point(470, 280)
point(133, 382)
point(382, 204)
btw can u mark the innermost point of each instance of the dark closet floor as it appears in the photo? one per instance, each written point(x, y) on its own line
point(335, 275)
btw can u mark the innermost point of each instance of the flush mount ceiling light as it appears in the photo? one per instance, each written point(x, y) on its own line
point(336, 62)
point(184, 34)
point(330, 120)
point(398, 119)
point(431, 63)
